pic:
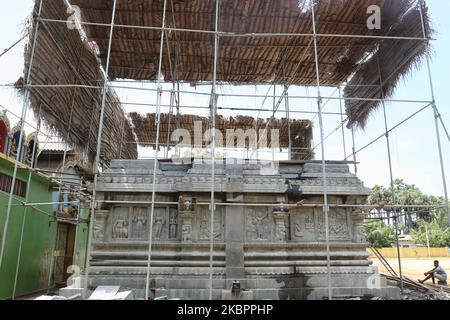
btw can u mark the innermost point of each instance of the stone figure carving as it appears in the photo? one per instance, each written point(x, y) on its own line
point(173, 225)
point(304, 223)
point(120, 229)
point(186, 232)
point(205, 229)
point(139, 222)
point(260, 220)
point(309, 222)
point(258, 226)
point(281, 232)
point(281, 208)
point(159, 223)
point(98, 231)
point(186, 226)
point(188, 205)
point(181, 203)
point(281, 229)
point(280, 215)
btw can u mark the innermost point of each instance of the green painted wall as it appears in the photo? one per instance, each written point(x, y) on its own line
point(79, 256)
point(39, 236)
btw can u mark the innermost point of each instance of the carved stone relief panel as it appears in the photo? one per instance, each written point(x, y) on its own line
point(338, 224)
point(258, 224)
point(160, 223)
point(203, 224)
point(120, 224)
point(303, 224)
point(140, 223)
point(174, 222)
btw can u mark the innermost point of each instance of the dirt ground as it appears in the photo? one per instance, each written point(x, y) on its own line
point(412, 267)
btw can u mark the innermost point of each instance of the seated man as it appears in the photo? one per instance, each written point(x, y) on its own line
point(437, 273)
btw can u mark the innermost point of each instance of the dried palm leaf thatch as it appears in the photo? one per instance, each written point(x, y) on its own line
point(257, 59)
point(197, 127)
point(380, 74)
point(62, 57)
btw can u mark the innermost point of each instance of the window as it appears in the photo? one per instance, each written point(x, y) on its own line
point(20, 187)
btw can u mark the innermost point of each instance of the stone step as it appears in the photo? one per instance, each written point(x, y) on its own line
point(283, 294)
point(156, 263)
point(204, 283)
point(155, 271)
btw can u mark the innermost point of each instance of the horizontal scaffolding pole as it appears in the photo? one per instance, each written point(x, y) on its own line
point(389, 131)
point(240, 35)
point(305, 205)
point(222, 94)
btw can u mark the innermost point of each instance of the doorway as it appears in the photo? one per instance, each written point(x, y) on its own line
point(65, 243)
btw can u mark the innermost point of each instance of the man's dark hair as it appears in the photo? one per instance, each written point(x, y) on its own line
point(436, 261)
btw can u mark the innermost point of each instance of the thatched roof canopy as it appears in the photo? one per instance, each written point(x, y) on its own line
point(283, 59)
point(61, 57)
point(301, 131)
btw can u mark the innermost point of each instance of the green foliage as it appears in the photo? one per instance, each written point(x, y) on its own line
point(438, 232)
point(433, 220)
point(405, 195)
point(378, 234)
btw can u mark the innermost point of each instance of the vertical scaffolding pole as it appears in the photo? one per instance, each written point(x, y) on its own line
point(437, 117)
point(97, 155)
point(213, 151)
point(72, 109)
point(24, 218)
point(324, 173)
point(21, 137)
point(172, 98)
point(391, 176)
point(155, 160)
point(354, 151)
point(273, 118)
point(288, 116)
point(342, 123)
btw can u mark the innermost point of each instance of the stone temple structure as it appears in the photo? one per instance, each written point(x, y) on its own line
point(269, 231)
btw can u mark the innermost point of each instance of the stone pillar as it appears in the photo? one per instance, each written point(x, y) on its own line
point(358, 217)
point(234, 235)
point(100, 225)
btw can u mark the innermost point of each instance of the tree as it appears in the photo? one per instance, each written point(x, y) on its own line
point(406, 197)
point(378, 234)
point(437, 231)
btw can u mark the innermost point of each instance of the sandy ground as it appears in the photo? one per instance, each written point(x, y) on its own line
point(414, 268)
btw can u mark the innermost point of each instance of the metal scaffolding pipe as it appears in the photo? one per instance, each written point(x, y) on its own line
point(97, 155)
point(21, 138)
point(213, 151)
point(324, 173)
point(24, 218)
point(244, 35)
point(436, 117)
point(391, 175)
point(155, 161)
point(224, 94)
